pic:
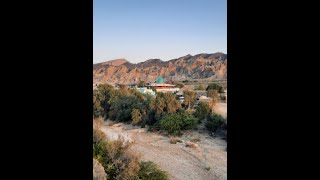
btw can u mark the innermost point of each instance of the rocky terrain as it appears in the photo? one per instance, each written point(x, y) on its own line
point(98, 171)
point(200, 66)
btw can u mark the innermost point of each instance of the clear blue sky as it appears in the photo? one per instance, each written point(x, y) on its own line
point(138, 30)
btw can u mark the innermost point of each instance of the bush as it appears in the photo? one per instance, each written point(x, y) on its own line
point(100, 152)
point(98, 136)
point(136, 116)
point(115, 157)
point(118, 162)
point(150, 171)
point(203, 111)
point(101, 97)
point(200, 87)
point(214, 97)
point(215, 121)
point(189, 122)
point(165, 103)
point(173, 123)
point(122, 106)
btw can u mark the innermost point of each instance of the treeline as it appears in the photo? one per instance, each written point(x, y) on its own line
point(164, 112)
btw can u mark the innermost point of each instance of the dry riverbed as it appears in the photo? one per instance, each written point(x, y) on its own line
point(208, 160)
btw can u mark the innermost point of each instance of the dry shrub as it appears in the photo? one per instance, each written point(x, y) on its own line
point(150, 171)
point(119, 162)
point(129, 165)
point(98, 122)
point(98, 136)
point(123, 163)
point(136, 117)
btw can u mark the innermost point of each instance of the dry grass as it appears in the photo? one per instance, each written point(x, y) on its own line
point(126, 162)
point(98, 122)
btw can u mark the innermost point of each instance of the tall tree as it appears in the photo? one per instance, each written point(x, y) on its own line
point(165, 102)
point(101, 98)
point(136, 116)
point(189, 98)
point(171, 103)
point(158, 104)
point(214, 98)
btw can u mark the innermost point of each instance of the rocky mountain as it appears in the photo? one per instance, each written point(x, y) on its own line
point(200, 66)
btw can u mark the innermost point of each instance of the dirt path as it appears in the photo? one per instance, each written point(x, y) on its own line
point(206, 162)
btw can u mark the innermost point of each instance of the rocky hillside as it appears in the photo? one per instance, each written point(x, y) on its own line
point(200, 66)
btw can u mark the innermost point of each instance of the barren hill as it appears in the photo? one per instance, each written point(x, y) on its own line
point(200, 66)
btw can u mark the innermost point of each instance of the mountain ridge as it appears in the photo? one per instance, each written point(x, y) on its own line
point(199, 66)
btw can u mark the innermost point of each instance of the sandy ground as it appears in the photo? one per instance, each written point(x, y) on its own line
point(207, 161)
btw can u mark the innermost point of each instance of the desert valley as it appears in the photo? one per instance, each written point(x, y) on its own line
point(169, 117)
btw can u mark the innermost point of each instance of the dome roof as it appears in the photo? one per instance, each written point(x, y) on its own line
point(160, 80)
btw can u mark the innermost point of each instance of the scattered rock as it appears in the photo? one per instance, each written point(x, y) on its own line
point(175, 140)
point(191, 145)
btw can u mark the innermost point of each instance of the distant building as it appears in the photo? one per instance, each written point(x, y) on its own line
point(160, 86)
point(146, 91)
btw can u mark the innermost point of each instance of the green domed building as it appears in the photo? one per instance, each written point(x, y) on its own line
point(161, 86)
point(160, 80)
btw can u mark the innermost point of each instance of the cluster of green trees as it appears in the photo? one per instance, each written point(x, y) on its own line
point(174, 123)
point(131, 106)
point(164, 112)
point(214, 90)
point(120, 163)
point(215, 123)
